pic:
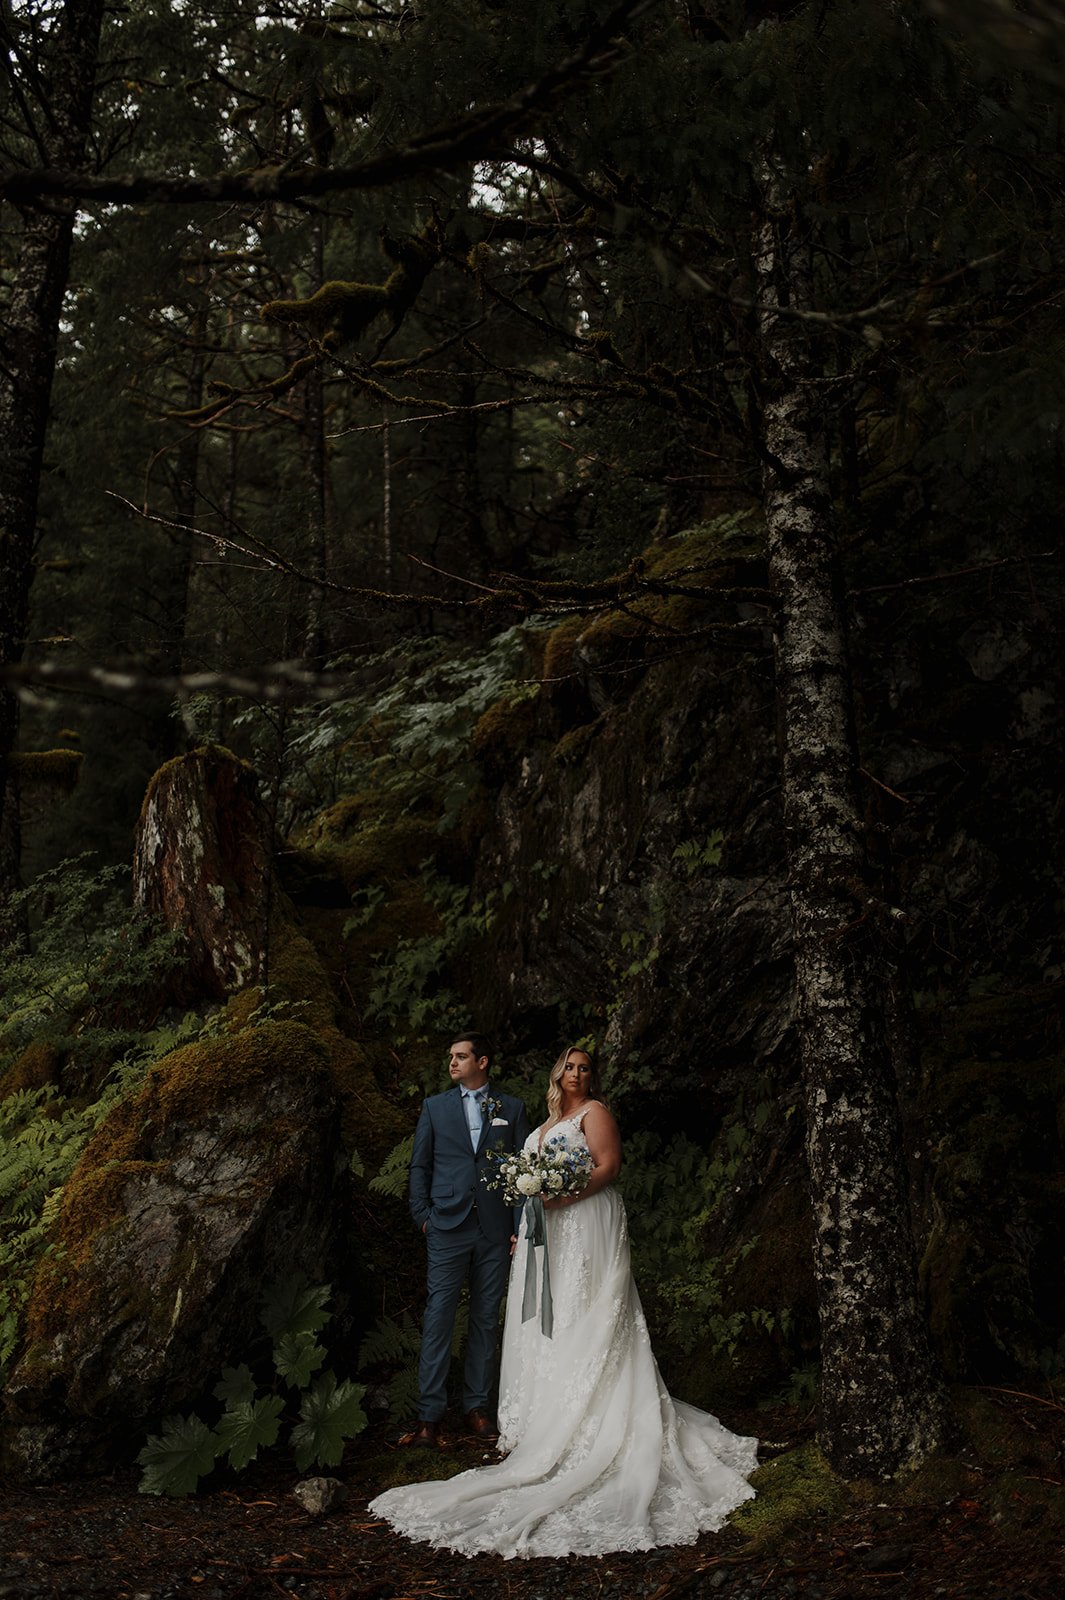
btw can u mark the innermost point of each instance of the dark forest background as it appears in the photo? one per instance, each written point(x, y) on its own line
point(542, 518)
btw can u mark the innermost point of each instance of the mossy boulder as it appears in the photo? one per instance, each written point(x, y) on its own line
point(223, 1172)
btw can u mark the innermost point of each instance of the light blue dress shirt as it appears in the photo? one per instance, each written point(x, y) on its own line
point(472, 1104)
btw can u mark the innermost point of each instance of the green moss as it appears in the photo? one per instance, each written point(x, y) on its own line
point(210, 755)
point(340, 310)
point(559, 647)
point(938, 1480)
point(394, 1467)
point(53, 769)
point(795, 1492)
point(700, 559)
point(361, 846)
point(573, 746)
point(344, 305)
point(296, 974)
point(185, 1087)
point(505, 731)
point(37, 1066)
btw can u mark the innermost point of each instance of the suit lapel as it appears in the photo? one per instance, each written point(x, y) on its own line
point(457, 1110)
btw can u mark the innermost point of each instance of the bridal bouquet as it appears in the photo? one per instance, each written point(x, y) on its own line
point(546, 1174)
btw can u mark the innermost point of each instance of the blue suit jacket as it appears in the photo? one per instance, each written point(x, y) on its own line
point(446, 1174)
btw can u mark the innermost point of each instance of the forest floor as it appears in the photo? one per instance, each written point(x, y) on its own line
point(985, 1523)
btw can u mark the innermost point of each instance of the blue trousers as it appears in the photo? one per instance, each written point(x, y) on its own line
point(456, 1255)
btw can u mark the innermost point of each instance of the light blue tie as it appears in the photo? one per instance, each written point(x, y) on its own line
point(474, 1115)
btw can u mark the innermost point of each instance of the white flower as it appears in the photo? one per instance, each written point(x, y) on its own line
point(555, 1180)
point(528, 1183)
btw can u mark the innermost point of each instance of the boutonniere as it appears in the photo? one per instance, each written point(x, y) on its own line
point(492, 1108)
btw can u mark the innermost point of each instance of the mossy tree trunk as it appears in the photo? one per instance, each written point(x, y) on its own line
point(881, 1399)
point(56, 100)
point(203, 863)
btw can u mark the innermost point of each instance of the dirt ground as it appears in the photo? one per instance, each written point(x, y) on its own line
point(986, 1524)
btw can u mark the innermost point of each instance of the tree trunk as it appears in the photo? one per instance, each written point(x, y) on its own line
point(315, 645)
point(30, 332)
point(172, 592)
point(881, 1400)
point(203, 862)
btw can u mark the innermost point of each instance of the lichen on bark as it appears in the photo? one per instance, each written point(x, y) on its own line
point(881, 1399)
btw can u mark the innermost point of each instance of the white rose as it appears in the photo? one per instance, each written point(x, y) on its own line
point(555, 1181)
point(528, 1183)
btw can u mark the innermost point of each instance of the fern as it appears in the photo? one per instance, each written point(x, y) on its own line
point(89, 953)
point(395, 1344)
point(671, 1192)
point(389, 1341)
point(404, 1392)
point(394, 1174)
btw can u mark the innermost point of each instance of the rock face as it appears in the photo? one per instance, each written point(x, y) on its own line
point(203, 862)
point(607, 794)
point(222, 1174)
point(608, 823)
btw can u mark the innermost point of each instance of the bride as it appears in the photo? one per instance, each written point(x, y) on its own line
point(600, 1458)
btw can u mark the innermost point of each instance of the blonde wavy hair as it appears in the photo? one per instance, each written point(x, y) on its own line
point(554, 1080)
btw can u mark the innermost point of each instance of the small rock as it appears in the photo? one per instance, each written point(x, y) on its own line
point(318, 1496)
point(718, 1579)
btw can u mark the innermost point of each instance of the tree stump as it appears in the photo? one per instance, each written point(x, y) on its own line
point(203, 863)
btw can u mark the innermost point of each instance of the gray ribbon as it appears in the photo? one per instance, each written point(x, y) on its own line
point(536, 1235)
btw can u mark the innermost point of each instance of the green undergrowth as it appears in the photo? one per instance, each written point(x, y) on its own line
point(291, 1389)
point(796, 1492)
point(1002, 1463)
point(76, 991)
point(393, 1468)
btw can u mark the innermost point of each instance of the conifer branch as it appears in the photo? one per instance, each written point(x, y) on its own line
point(470, 137)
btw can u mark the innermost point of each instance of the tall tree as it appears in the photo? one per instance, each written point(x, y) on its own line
point(50, 68)
point(882, 1405)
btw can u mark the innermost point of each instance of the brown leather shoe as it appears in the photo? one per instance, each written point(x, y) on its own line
point(477, 1423)
point(426, 1434)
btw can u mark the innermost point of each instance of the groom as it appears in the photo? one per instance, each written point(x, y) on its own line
point(468, 1228)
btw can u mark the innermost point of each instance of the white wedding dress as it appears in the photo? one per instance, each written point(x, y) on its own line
point(600, 1458)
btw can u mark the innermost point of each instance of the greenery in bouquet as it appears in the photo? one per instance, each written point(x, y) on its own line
point(554, 1170)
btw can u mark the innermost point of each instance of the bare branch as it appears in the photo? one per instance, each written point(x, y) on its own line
point(958, 572)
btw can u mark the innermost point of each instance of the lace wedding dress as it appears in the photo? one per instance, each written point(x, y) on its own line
point(601, 1458)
